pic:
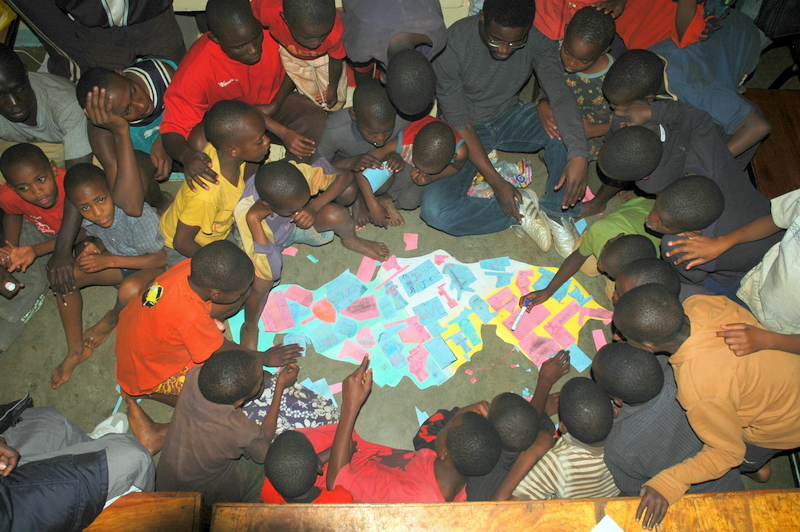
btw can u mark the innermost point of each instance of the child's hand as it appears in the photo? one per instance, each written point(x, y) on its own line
point(288, 376)
point(420, 178)
point(161, 160)
point(509, 198)
point(547, 119)
point(636, 113)
point(698, 249)
point(305, 217)
point(331, 98)
point(394, 162)
point(94, 262)
point(197, 169)
point(19, 257)
point(364, 161)
point(554, 368)
point(744, 339)
point(481, 408)
point(297, 144)
point(98, 111)
point(357, 386)
point(652, 509)
point(89, 248)
point(551, 405)
point(260, 210)
point(9, 285)
point(8, 458)
point(532, 299)
point(280, 355)
point(612, 7)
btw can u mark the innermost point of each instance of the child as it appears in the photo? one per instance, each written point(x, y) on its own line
point(574, 468)
point(292, 203)
point(744, 409)
point(430, 147)
point(32, 199)
point(646, 271)
point(196, 218)
point(695, 205)
point(651, 432)
point(182, 312)
point(310, 35)
point(126, 251)
point(410, 82)
point(468, 446)
point(209, 434)
point(584, 54)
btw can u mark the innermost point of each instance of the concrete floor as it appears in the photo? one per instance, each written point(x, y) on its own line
point(389, 416)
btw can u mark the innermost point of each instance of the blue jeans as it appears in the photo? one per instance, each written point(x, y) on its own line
point(445, 204)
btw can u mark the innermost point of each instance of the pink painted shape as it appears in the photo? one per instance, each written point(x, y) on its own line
point(308, 320)
point(563, 337)
point(290, 251)
point(366, 270)
point(524, 279)
point(599, 313)
point(336, 388)
point(364, 337)
point(439, 259)
point(504, 299)
point(277, 316)
point(452, 303)
point(562, 317)
point(599, 338)
point(417, 359)
point(391, 264)
point(538, 348)
point(299, 294)
point(473, 380)
point(468, 371)
point(352, 351)
point(363, 308)
point(411, 240)
point(529, 322)
point(324, 310)
point(415, 332)
point(589, 196)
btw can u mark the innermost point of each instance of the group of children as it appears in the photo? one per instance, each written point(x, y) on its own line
point(693, 247)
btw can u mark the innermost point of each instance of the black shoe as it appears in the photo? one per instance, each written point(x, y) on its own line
point(10, 413)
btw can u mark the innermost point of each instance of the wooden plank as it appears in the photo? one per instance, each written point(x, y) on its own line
point(154, 512)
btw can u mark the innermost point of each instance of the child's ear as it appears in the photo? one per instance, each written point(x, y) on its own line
point(54, 167)
point(213, 38)
point(353, 115)
point(650, 98)
point(231, 151)
point(239, 403)
point(606, 50)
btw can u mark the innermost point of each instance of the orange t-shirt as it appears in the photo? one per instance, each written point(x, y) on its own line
point(156, 342)
point(647, 22)
point(337, 495)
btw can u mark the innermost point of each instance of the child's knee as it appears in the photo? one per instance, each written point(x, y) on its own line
point(332, 215)
point(349, 195)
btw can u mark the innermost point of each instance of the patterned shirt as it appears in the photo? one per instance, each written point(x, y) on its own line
point(588, 90)
point(129, 236)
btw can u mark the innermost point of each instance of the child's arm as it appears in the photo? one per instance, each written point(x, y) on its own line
point(254, 216)
point(334, 73)
point(744, 339)
point(21, 257)
point(462, 154)
point(95, 262)
point(569, 268)
point(183, 241)
point(355, 390)
point(525, 461)
point(546, 118)
point(305, 217)
point(196, 164)
point(552, 369)
point(701, 249)
point(287, 377)
point(595, 130)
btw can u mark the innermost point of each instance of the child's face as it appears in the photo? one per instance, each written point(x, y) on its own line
point(309, 36)
point(634, 113)
point(253, 143)
point(241, 43)
point(374, 133)
point(605, 257)
point(129, 100)
point(259, 377)
point(16, 96)
point(35, 182)
point(658, 221)
point(577, 55)
point(94, 202)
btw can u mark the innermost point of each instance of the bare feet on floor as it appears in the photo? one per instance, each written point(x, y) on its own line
point(149, 433)
point(98, 333)
point(63, 371)
point(360, 212)
point(395, 218)
point(373, 250)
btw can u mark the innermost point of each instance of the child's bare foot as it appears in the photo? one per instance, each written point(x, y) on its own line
point(98, 333)
point(592, 207)
point(360, 213)
point(63, 371)
point(373, 250)
point(248, 336)
point(763, 474)
point(626, 195)
point(149, 433)
point(395, 218)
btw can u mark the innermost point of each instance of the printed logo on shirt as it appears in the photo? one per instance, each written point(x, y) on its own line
point(224, 84)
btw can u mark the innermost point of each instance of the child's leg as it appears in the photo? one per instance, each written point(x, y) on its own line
point(395, 218)
point(253, 307)
point(149, 433)
point(132, 287)
point(71, 311)
point(153, 195)
point(336, 218)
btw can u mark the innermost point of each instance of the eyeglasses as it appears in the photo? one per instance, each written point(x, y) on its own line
point(496, 43)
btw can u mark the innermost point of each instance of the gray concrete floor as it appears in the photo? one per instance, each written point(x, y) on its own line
point(389, 416)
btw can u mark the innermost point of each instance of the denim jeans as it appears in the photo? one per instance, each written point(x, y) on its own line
point(445, 204)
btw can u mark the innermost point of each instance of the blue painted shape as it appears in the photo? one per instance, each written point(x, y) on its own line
point(323, 337)
point(394, 295)
point(579, 297)
point(422, 417)
point(461, 341)
point(580, 225)
point(420, 278)
point(544, 280)
point(387, 307)
point(431, 311)
point(391, 346)
point(344, 290)
point(498, 264)
point(440, 352)
point(461, 277)
point(296, 338)
point(346, 326)
point(561, 293)
point(299, 312)
point(481, 308)
point(579, 360)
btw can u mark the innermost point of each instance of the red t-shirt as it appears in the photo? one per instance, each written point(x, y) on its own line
point(157, 342)
point(337, 495)
point(268, 12)
point(647, 22)
point(408, 135)
point(48, 221)
point(206, 75)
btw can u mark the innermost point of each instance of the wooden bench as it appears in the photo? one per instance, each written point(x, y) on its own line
point(769, 510)
point(153, 512)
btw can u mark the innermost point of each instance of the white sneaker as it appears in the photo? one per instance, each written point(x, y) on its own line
point(564, 235)
point(534, 222)
point(115, 424)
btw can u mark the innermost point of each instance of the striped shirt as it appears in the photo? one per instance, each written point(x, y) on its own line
point(570, 470)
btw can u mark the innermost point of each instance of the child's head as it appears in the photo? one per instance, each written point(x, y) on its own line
point(373, 112)
point(238, 130)
point(515, 420)
point(649, 317)
point(471, 442)
point(622, 250)
point(434, 147)
point(309, 21)
point(691, 203)
point(291, 464)
point(630, 154)
point(505, 25)
point(29, 174)
point(635, 75)
point(86, 187)
point(585, 411)
point(283, 187)
point(233, 27)
point(223, 272)
point(410, 82)
point(627, 373)
point(587, 37)
point(646, 271)
point(17, 99)
point(231, 378)
point(128, 99)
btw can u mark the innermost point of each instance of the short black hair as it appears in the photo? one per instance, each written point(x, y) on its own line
point(83, 174)
point(279, 181)
point(10, 63)
point(586, 410)
point(410, 82)
point(222, 14)
point(434, 145)
point(291, 464)
point(473, 444)
point(371, 102)
point(21, 153)
point(94, 77)
point(646, 271)
point(515, 420)
point(630, 154)
point(624, 250)
point(631, 374)
point(592, 26)
point(690, 203)
point(223, 122)
point(227, 377)
point(509, 13)
point(221, 265)
point(649, 313)
point(311, 12)
point(635, 75)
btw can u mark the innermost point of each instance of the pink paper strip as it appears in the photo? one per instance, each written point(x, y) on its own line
point(411, 240)
point(468, 371)
point(352, 351)
point(439, 259)
point(473, 380)
point(336, 388)
point(299, 294)
point(366, 270)
point(277, 316)
point(599, 338)
point(589, 196)
point(504, 299)
point(417, 360)
point(290, 250)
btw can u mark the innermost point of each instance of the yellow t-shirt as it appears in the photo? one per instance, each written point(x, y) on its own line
point(211, 210)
